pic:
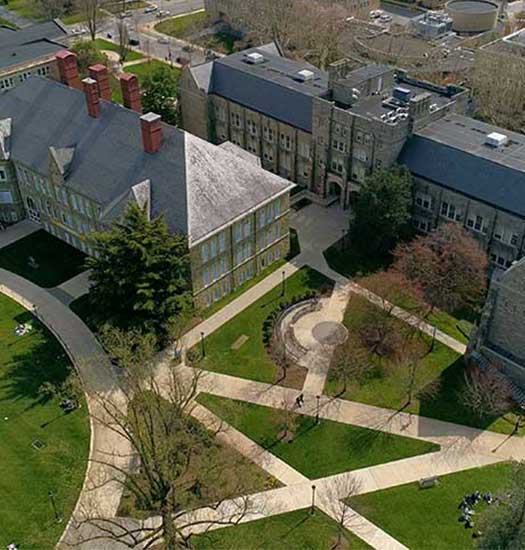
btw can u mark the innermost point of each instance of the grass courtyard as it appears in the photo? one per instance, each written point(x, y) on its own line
point(251, 360)
point(27, 474)
point(385, 384)
point(55, 260)
point(316, 450)
point(348, 261)
point(428, 518)
point(299, 530)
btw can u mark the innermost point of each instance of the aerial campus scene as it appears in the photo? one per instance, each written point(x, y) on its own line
point(262, 274)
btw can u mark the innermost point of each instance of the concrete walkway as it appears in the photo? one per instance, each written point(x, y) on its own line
point(17, 231)
point(72, 289)
point(101, 492)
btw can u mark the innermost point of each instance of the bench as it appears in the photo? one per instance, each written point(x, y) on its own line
point(428, 482)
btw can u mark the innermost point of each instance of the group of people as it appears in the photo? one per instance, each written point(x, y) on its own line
point(467, 507)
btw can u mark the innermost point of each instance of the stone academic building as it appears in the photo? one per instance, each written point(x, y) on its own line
point(72, 161)
point(327, 131)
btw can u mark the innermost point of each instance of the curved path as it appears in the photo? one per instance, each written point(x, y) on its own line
point(97, 378)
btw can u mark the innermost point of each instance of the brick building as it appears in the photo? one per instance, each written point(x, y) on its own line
point(72, 161)
point(30, 51)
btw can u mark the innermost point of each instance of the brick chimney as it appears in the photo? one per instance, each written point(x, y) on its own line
point(68, 69)
point(151, 128)
point(131, 92)
point(100, 74)
point(92, 97)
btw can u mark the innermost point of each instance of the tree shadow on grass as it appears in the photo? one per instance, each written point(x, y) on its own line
point(44, 361)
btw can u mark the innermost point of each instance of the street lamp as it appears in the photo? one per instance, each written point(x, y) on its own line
point(51, 496)
point(203, 349)
point(283, 273)
point(312, 508)
point(317, 412)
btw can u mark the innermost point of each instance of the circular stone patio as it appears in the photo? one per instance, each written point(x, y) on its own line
point(330, 333)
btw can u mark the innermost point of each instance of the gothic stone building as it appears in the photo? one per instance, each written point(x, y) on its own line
point(500, 336)
point(30, 51)
point(328, 131)
point(72, 161)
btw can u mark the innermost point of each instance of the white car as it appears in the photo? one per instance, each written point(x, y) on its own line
point(151, 9)
point(385, 18)
point(164, 40)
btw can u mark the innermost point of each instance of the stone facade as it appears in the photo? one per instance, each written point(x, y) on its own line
point(500, 336)
point(240, 251)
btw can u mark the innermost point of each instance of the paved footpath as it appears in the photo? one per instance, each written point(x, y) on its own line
point(101, 492)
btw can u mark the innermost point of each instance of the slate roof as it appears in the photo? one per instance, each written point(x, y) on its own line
point(452, 152)
point(30, 43)
point(270, 88)
point(197, 186)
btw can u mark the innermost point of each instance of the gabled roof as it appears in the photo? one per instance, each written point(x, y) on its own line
point(271, 88)
point(462, 168)
point(30, 43)
point(197, 186)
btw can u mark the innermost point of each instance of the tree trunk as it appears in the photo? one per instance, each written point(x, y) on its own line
point(169, 531)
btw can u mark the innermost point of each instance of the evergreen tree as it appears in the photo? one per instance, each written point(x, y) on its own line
point(140, 273)
point(382, 210)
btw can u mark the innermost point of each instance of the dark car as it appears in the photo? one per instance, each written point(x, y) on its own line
point(134, 42)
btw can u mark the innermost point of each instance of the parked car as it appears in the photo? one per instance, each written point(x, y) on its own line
point(385, 18)
point(134, 42)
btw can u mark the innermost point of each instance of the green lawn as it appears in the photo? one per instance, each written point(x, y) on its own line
point(116, 7)
point(27, 474)
point(297, 530)
point(351, 263)
point(142, 70)
point(56, 260)
point(251, 360)
point(183, 25)
point(106, 45)
point(384, 386)
point(428, 518)
point(25, 8)
point(317, 450)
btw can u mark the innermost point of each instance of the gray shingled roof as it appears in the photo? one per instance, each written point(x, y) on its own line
point(197, 186)
point(30, 43)
point(270, 88)
point(466, 172)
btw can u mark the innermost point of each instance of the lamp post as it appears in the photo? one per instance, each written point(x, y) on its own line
point(51, 496)
point(283, 273)
point(203, 349)
point(312, 508)
point(318, 397)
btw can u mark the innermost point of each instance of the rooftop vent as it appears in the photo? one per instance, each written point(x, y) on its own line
point(305, 75)
point(402, 94)
point(495, 139)
point(254, 58)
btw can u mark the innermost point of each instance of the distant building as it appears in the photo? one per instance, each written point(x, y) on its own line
point(30, 51)
point(500, 336)
point(72, 162)
point(432, 25)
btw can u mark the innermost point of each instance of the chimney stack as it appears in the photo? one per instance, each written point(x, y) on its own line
point(131, 92)
point(92, 97)
point(100, 74)
point(151, 128)
point(68, 69)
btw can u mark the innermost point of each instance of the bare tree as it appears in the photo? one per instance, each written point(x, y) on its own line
point(488, 394)
point(123, 40)
point(90, 9)
point(153, 414)
point(52, 9)
point(350, 362)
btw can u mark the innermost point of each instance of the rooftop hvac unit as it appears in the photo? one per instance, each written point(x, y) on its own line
point(402, 94)
point(254, 58)
point(305, 75)
point(495, 139)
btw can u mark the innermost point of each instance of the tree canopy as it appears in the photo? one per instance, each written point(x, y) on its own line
point(382, 210)
point(140, 273)
point(448, 265)
point(159, 93)
point(88, 54)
